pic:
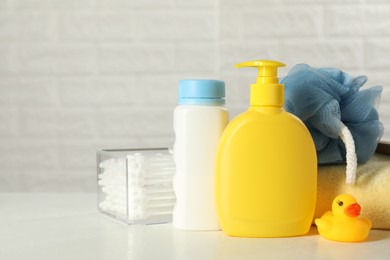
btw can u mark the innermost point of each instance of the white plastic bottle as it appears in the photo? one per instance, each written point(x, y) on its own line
point(199, 120)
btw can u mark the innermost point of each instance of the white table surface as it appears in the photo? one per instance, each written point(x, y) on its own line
point(68, 226)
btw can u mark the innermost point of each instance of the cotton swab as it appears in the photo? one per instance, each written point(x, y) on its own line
point(139, 184)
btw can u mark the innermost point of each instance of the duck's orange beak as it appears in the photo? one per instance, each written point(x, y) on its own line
point(353, 210)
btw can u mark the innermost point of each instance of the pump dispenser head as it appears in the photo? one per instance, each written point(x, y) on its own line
point(266, 91)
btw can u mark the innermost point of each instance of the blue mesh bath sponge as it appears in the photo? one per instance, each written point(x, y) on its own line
point(342, 120)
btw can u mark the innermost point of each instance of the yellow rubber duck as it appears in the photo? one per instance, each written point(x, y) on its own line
point(342, 223)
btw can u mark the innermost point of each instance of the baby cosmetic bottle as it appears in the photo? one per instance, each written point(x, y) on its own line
point(199, 120)
point(266, 166)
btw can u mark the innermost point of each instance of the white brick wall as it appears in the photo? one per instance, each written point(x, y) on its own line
point(80, 75)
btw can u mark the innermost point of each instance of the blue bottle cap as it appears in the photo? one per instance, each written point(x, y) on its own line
point(201, 92)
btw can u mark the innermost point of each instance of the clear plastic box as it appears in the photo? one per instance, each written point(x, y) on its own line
point(135, 185)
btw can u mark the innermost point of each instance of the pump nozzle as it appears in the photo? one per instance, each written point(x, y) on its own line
point(266, 91)
point(267, 68)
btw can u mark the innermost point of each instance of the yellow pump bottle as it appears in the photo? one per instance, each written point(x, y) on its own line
point(266, 166)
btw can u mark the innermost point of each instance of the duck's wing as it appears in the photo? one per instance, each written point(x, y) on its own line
point(367, 221)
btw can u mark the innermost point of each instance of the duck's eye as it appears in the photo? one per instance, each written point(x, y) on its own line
point(340, 203)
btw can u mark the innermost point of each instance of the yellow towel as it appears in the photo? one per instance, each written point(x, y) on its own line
point(372, 189)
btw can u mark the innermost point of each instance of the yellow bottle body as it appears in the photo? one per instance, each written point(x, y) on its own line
point(266, 175)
